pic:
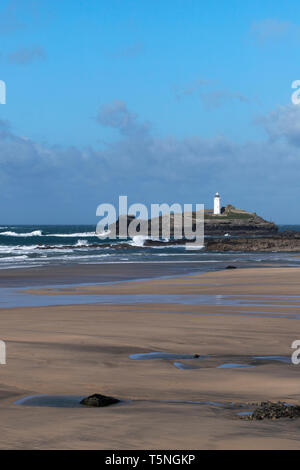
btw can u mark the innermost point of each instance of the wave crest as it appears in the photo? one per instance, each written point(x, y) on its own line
point(35, 233)
point(66, 235)
point(138, 240)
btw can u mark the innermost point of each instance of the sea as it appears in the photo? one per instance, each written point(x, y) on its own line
point(25, 246)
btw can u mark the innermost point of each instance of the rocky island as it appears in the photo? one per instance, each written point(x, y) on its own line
point(230, 221)
point(225, 229)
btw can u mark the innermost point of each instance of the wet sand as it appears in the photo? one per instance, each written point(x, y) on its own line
point(262, 281)
point(85, 349)
point(94, 273)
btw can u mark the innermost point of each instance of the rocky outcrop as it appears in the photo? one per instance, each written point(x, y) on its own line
point(98, 400)
point(284, 242)
point(250, 226)
point(269, 410)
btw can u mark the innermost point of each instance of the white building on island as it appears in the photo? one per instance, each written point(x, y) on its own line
point(217, 204)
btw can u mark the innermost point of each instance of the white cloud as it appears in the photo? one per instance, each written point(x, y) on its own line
point(148, 168)
point(283, 122)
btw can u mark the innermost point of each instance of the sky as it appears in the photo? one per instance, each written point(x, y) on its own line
point(163, 101)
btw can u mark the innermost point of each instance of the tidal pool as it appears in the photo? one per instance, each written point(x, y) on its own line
point(233, 366)
point(245, 413)
point(182, 366)
point(284, 359)
point(56, 401)
point(164, 355)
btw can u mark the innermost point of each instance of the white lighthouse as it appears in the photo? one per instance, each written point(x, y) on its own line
point(217, 204)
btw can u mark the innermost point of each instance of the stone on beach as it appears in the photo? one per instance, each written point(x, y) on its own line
point(98, 400)
point(270, 410)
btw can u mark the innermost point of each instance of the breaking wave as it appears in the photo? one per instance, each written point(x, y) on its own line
point(66, 235)
point(138, 240)
point(81, 243)
point(35, 233)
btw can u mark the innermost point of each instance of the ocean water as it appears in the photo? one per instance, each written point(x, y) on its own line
point(26, 246)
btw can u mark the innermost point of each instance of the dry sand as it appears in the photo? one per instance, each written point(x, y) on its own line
point(85, 349)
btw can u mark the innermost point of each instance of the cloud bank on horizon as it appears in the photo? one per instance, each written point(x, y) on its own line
point(126, 110)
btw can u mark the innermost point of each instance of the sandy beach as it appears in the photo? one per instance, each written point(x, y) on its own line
point(85, 349)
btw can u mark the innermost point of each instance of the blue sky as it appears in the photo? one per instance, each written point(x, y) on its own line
point(164, 101)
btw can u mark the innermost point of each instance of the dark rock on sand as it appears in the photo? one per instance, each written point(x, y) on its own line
point(230, 267)
point(269, 410)
point(99, 400)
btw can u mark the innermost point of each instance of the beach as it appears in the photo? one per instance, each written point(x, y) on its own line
point(228, 318)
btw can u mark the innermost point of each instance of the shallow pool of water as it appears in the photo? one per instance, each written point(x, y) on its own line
point(56, 401)
point(233, 366)
point(182, 366)
point(284, 359)
point(164, 355)
point(245, 413)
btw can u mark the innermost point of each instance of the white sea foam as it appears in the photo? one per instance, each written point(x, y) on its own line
point(35, 233)
point(138, 240)
point(39, 233)
point(192, 247)
point(82, 243)
point(17, 248)
point(66, 235)
point(78, 257)
point(103, 234)
point(13, 258)
point(32, 249)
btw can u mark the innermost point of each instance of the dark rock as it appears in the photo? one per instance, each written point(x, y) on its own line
point(230, 267)
point(180, 241)
point(269, 410)
point(282, 242)
point(99, 400)
point(196, 356)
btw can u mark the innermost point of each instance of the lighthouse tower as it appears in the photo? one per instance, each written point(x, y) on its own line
point(217, 204)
